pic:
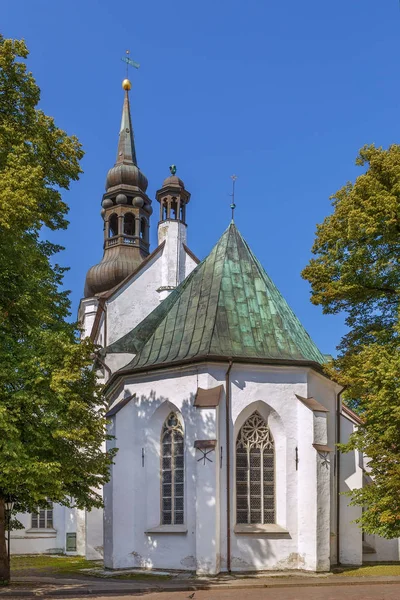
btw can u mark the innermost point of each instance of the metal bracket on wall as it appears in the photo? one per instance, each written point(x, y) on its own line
point(205, 447)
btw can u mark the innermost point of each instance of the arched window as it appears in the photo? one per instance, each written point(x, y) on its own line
point(165, 209)
point(174, 208)
point(172, 471)
point(143, 226)
point(113, 226)
point(255, 472)
point(129, 224)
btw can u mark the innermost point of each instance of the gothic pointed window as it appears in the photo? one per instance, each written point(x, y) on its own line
point(172, 471)
point(255, 472)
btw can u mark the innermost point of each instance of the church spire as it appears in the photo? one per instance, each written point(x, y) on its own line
point(126, 141)
point(126, 211)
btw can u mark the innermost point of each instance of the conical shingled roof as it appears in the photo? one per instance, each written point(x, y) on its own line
point(227, 307)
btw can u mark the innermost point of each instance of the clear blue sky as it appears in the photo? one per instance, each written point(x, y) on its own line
point(282, 93)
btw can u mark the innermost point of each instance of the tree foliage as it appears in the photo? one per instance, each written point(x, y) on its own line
point(356, 269)
point(52, 415)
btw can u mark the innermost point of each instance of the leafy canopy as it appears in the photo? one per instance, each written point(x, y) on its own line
point(356, 269)
point(52, 415)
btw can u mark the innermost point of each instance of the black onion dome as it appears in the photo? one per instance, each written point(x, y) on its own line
point(126, 174)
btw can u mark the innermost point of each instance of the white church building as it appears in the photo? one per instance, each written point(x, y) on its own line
point(225, 423)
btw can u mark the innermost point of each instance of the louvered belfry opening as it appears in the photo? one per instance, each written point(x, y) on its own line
point(255, 473)
point(172, 472)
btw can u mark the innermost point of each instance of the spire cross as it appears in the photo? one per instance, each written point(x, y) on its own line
point(233, 205)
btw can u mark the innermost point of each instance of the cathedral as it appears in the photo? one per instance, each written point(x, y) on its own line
point(225, 423)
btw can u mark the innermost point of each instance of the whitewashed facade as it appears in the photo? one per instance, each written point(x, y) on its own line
point(234, 496)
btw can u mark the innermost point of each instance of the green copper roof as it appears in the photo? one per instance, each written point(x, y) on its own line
point(227, 307)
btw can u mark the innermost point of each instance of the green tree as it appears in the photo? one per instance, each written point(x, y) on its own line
point(356, 270)
point(52, 415)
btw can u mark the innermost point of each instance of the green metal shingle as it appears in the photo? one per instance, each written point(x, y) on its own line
point(227, 307)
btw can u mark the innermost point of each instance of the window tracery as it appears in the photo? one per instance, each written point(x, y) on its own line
point(255, 472)
point(172, 471)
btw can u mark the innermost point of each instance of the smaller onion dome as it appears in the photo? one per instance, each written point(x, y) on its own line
point(173, 180)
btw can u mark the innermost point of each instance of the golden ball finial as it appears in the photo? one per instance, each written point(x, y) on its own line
point(126, 84)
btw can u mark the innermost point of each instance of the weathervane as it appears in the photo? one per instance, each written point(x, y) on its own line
point(233, 205)
point(129, 62)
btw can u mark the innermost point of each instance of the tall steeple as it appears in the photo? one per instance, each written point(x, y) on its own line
point(126, 209)
point(126, 142)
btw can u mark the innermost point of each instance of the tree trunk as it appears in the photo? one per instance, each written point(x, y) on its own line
point(4, 565)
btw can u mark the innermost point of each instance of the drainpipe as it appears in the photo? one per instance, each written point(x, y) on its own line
point(228, 466)
point(338, 413)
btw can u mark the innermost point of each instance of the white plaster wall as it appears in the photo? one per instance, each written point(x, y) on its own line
point(385, 550)
point(108, 495)
point(87, 314)
point(306, 488)
point(208, 497)
point(100, 336)
point(173, 257)
point(325, 392)
point(351, 477)
point(118, 360)
point(274, 389)
point(176, 264)
point(134, 301)
point(51, 541)
point(136, 488)
point(94, 534)
point(133, 499)
point(190, 264)
point(323, 487)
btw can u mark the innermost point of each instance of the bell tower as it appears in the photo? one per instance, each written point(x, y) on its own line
point(173, 198)
point(126, 211)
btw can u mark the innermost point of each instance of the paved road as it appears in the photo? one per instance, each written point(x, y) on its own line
point(345, 592)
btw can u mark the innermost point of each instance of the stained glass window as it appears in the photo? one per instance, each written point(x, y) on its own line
point(172, 472)
point(255, 472)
